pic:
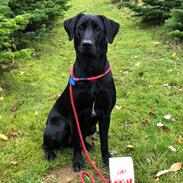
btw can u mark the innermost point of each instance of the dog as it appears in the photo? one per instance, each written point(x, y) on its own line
point(94, 100)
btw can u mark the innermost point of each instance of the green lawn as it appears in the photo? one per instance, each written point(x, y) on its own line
point(148, 74)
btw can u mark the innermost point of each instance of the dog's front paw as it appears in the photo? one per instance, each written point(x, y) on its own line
point(105, 158)
point(50, 156)
point(78, 163)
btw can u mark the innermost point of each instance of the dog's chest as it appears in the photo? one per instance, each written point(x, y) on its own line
point(90, 98)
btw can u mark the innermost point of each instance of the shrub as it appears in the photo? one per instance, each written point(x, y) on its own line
point(154, 12)
point(175, 23)
point(24, 20)
point(8, 26)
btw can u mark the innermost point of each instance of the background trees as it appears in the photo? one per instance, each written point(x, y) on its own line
point(158, 12)
point(25, 20)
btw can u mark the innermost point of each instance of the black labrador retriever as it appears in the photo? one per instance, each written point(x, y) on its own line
point(94, 100)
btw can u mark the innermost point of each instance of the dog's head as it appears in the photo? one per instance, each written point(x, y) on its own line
point(91, 32)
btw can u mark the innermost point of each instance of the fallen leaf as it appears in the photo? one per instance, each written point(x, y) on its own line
point(130, 146)
point(163, 127)
point(173, 54)
point(14, 163)
point(172, 148)
point(166, 85)
point(156, 42)
point(160, 125)
point(162, 173)
point(145, 122)
point(137, 64)
point(173, 168)
point(13, 108)
point(3, 137)
point(118, 107)
point(176, 166)
point(179, 139)
point(168, 117)
point(21, 72)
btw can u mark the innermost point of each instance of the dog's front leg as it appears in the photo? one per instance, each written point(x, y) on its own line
point(78, 162)
point(103, 129)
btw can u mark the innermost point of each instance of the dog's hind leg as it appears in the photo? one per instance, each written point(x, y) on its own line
point(53, 137)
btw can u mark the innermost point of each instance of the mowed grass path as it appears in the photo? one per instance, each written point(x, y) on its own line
point(149, 79)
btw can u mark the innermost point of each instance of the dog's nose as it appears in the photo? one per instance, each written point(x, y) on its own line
point(87, 43)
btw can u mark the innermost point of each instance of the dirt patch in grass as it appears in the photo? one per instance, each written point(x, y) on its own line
point(67, 175)
point(62, 175)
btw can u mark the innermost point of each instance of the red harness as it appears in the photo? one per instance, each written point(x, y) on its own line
point(72, 81)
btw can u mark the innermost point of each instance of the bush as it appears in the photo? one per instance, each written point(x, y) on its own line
point(24, 20)
point(8, 25)
point(175, 23)
point(154, 12)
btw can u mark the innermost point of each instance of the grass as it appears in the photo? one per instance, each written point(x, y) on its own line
point(148, 76)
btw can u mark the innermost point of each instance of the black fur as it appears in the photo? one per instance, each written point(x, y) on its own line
point(94, 100)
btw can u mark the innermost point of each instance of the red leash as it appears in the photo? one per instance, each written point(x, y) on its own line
point(72, 81)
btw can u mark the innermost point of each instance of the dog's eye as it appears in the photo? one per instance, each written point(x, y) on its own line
point(80, 27)
point(97, 28)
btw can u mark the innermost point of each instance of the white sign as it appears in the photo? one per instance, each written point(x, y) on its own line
point(121, 170)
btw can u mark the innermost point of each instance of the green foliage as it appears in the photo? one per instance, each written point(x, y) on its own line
point(154, 12)
point(25, 20)
point(8, 26)
point(43, 12)
point(175, 23)
point(157, 12)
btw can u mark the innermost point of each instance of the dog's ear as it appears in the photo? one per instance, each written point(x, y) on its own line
point(111, 27)
point(69, 25)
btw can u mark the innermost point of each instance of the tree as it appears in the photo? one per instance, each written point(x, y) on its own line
point(175, 23)
point(154, 12)
point(24, 20)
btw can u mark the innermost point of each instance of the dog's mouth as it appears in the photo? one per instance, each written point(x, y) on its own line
point(87, 50)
